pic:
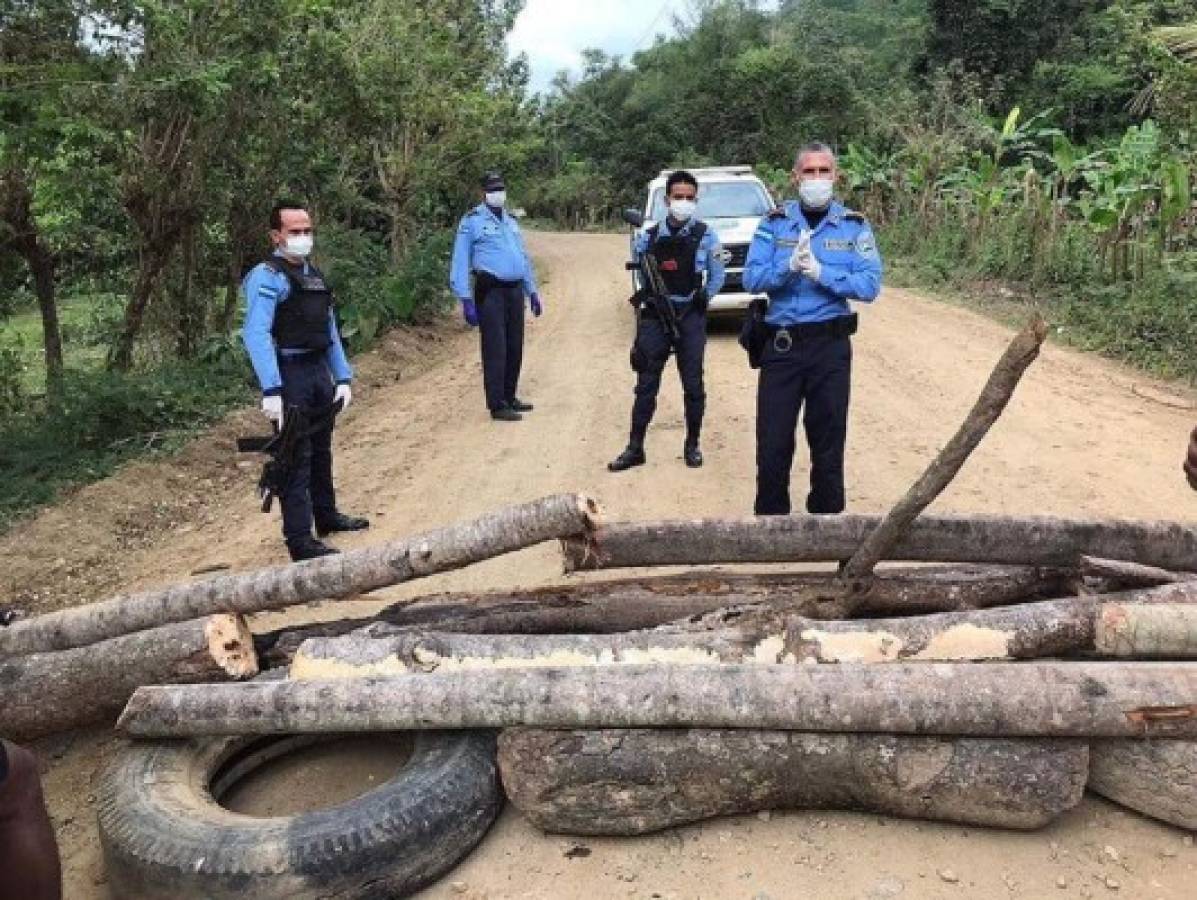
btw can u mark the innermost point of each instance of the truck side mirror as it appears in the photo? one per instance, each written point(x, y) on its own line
point(633, 217)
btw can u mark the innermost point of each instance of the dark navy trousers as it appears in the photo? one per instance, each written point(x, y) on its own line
point(308, 384)
point(815, 373)
point(654, 344)
point(501, 324)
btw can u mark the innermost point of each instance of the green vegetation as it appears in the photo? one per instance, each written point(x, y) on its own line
point(141, 147)
point(1050, 145)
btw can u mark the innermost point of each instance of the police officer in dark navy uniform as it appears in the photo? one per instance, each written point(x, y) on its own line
point(690, 260)
point(291, 335)
point(811, 257)
point(489, 247)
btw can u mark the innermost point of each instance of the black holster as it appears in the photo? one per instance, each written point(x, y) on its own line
point(753, 333)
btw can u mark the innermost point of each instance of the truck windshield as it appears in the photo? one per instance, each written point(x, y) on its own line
point(721, 200)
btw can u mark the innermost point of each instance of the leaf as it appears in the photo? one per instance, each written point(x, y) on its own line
point(1010, 124)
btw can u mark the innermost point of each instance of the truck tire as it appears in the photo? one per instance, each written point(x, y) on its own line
point(164, 834)
point(1155, 777)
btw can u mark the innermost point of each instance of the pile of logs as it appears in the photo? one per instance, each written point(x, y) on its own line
point(1035, 656)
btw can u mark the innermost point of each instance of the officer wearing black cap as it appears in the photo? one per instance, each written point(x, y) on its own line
point(811, 257)
point(490, 248)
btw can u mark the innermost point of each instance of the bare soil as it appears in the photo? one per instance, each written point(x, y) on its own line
point(1082, 437)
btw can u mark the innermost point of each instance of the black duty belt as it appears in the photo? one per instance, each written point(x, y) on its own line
point(485, 282)
point(298, 356)
point(784, 336)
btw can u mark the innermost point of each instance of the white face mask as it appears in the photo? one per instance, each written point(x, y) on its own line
point(682, 210)
point(815, 193)
point(299, 245)
point(496, 198)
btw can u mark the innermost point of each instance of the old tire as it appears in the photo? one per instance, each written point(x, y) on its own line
point(1157, 778)
point(164, 835)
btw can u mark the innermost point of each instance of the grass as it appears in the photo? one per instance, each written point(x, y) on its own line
point(79, 317)
point(1149, 323)
point(103, 419)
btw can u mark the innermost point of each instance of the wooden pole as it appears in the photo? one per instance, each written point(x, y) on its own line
point(629, 604)
point(44, 693)
point(1157, 623)
point(1034, 541)
point(996, 394)
point(980, 699)
point(328, 577)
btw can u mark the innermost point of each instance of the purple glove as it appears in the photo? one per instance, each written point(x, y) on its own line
point(470, 312)
point(534, 302)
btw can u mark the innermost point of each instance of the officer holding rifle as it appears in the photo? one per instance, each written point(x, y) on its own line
point(684, 270)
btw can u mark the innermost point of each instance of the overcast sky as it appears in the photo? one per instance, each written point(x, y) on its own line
point(555, 32)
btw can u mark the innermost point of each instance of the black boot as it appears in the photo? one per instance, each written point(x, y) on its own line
point(519, 405)
point(338, 521)
point(692, 454)
point(633, 455)
point(505, 414)
point(309, 548)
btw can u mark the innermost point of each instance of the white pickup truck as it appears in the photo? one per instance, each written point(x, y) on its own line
point(731, 200)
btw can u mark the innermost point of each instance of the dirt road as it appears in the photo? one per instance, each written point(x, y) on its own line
point(1081, 437)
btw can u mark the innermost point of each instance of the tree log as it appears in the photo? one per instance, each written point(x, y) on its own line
point(328, 577)
point(1035, 541)
point(994, 397)
point(50, 692)
point(1159, 623)
point(604, 607)
point(1156, 778)
point(630, 782)
point(981, 699)
point(1149, 630)
point(1131, 574)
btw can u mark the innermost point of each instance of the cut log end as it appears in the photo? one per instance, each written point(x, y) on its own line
point(591, 511)
point(231, 645)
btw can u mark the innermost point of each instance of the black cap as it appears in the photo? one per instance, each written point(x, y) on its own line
point(493, 181)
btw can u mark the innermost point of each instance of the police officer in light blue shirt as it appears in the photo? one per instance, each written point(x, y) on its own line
point(291, 335)
point(490, 250)
point(690, 260)
point(811, 257)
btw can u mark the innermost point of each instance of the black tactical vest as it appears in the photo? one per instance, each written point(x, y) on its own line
point(301, 321)
point(676, 254)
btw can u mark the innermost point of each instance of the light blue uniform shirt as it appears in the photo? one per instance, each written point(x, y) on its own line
point(708, 259)
point(844, 245)
point(264, 290)
point(492, 244)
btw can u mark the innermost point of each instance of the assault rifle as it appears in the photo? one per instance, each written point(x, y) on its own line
point(651, 288)
point(282, 447)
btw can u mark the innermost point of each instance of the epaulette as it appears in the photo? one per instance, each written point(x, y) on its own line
point(853, 216)
point(777, 212)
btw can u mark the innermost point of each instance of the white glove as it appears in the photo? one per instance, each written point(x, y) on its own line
point(345, 395)
point(273, 408)
point(803, 259)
